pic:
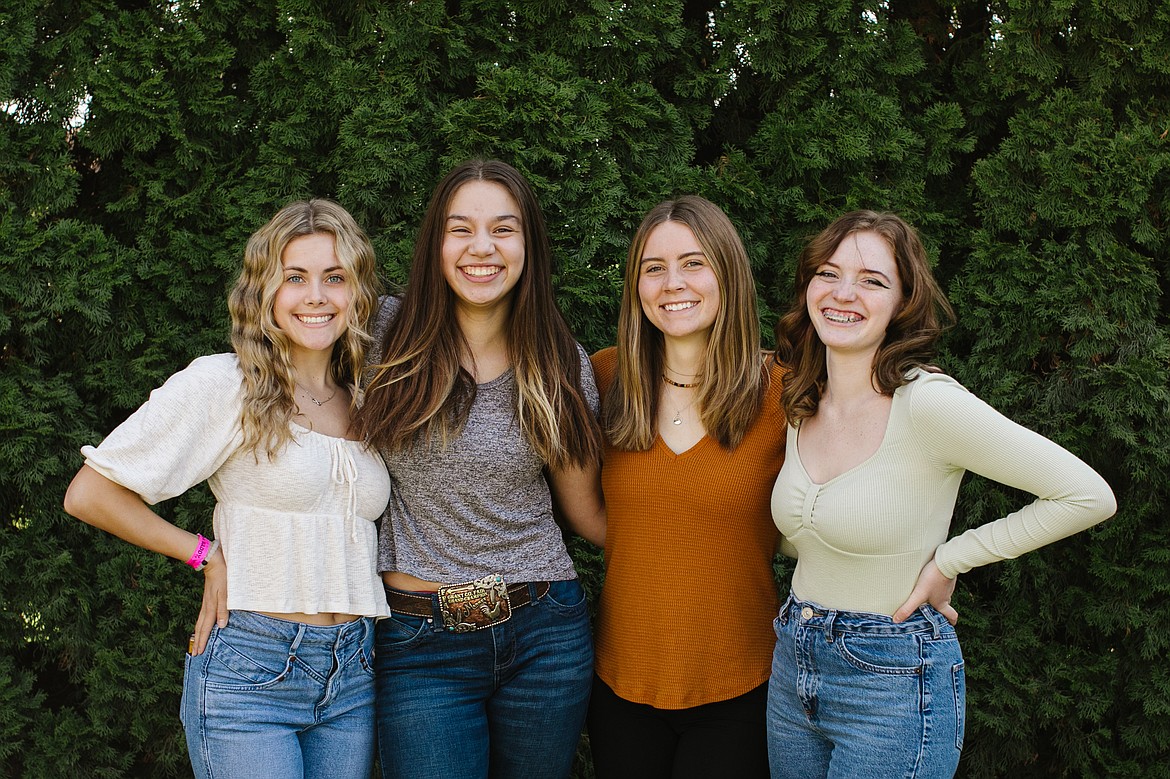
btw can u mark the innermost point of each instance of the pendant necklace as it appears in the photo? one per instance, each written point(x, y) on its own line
point(316, 402)
point(678, 412)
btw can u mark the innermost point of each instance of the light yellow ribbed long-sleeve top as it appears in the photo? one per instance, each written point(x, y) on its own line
point(862, 538)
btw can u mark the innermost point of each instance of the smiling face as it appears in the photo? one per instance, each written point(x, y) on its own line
point(677, 286)
point(483, 245)
point(312, 302)
point(854, 294)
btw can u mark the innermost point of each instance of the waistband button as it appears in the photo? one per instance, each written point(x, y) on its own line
point(806, 613)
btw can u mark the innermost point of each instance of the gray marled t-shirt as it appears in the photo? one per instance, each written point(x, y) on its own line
point(480, 505)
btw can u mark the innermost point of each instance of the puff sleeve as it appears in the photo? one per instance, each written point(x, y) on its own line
point(180, 436)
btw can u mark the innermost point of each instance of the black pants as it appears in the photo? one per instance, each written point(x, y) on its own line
point(723, 739)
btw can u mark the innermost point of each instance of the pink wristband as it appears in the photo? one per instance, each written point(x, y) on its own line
point(201, 550)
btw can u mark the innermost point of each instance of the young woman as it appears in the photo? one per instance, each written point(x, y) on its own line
point(695, 438)
point(285, 686)
point(867, 678)
point(482, 405)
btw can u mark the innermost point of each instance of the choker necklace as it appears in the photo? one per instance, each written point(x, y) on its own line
point(316, 402)
point(674, 383)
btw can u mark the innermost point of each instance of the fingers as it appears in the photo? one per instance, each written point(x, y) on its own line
point(933, 588)
point(947, 610)
point(214, 610)
point(911, 605)
point(202, 631)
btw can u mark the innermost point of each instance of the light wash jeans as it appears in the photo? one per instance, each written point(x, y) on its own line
point(507, 701)
point(273, 698)
point(856, 695)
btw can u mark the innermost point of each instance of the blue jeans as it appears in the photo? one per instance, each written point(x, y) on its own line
point(856, 695)
point(508, 700)
point(270, 697)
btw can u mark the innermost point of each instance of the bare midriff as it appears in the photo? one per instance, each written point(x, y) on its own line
point(404, 581)
point(324, 619)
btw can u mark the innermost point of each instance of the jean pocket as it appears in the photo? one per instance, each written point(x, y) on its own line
point(245, 665)
point(365, 659)
point(897, 654)
point(400, 632)
point(566, 596)
point(959, 678)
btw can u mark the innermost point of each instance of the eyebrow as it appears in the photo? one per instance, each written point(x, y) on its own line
point(870, 271)
point(500, 218)
point(684, 255)
point(306, 270)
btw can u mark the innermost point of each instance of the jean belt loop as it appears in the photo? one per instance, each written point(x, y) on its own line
point(532, 594)
point(784, 609)
point(934, 618)
point(292, 650)
point(830, 618)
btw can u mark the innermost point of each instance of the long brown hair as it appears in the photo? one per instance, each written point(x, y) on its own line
point(420, 388)
point(910, 337)
point(734, 378)
point(262, 347)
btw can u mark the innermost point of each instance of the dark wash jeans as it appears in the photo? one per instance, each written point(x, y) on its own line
point(507, 701)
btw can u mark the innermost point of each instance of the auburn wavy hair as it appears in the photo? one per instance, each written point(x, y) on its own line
point(418, 389)
point(262, 347)
point(910, 338)
point(733, 376)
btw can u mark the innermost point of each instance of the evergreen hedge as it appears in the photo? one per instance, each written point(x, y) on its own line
point(141, 142)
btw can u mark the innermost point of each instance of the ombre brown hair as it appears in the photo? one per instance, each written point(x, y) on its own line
point(733, 374)
point(911, 335)
point(263, 348)
point(419, 388)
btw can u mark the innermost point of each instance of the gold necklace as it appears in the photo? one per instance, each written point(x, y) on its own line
point(674, 383)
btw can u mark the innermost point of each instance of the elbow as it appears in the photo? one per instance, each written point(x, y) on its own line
point(80, 496)
point(1108, 504)
point(74, 501)
point(1101, 503)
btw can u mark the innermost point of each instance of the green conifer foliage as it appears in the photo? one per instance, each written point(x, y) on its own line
point(142, 142)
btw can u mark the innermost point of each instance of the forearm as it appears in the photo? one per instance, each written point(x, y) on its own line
point(578, 501)
point(96, 500)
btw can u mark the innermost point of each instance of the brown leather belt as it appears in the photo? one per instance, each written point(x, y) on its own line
point(470, 606)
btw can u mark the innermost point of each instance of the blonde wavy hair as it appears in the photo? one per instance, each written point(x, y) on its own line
point(262, 348)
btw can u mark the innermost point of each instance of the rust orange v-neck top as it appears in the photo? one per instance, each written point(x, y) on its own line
point(686, 611)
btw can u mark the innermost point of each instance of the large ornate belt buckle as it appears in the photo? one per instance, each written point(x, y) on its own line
point(475, 605)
